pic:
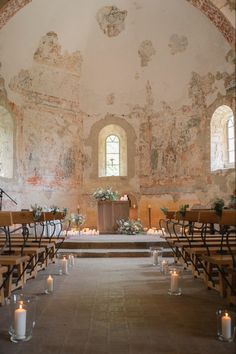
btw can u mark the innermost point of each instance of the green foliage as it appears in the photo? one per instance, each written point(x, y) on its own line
point(164, 210)
point(105, 194)
point(129, 227)
point(218, 205)
point(183, 208)
point(54, 209)
point(37, 211)
point(77, 219)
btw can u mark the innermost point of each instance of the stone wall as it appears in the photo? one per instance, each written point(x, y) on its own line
point(77, 71)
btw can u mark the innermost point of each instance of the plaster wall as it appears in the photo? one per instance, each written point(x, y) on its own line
point(157, 68)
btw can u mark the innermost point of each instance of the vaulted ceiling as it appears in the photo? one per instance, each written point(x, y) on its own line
point(221, 12)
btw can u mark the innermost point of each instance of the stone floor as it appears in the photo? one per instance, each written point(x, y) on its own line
point(119, 306)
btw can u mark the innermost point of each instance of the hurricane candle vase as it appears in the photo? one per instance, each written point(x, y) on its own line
point(156, 257)
point(49, 285)
point(22, 313)
point(164, 267)
point(226, 324)
point(175, 279)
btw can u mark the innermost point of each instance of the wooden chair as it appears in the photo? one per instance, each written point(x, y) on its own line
point(225, 258)
point(14, 263)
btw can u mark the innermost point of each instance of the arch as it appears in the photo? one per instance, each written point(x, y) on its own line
point(222, 138)
point(6, 143)
point(210, 10)
point(92, 142)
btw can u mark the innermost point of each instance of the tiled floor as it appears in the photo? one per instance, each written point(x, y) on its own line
point(119, 306)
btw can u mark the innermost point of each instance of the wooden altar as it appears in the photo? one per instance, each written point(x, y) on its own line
point(110, 211)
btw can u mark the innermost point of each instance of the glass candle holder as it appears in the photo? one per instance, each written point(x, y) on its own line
point(164, 267)
point(22, 313)
point(156, 257)
point(64, 266)
point(49, 285)
point(71, 260)
point(226, 325)
point(175, 279)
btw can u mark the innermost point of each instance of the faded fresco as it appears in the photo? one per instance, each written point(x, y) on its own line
point(158, 87)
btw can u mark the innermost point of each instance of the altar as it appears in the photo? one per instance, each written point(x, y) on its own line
point(109, 212)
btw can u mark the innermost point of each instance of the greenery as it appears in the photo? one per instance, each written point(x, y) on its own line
point(218, 205)
point(232, 201)
point(76, 219)
point(105, 194)
point(37, 211)
point(164, 210)
point(129, 227)
point(183, 208)
point(54, 209)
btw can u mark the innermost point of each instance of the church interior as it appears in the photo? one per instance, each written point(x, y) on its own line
point(117, 172)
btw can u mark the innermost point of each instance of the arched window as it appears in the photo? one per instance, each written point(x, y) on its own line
point(6, 144)
point(112, 151)
point(230, 141)
point(222, 139)
point(112, 155)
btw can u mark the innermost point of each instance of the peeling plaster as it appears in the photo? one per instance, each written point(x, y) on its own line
point(177, 43)
point(111, 20)
point(146, 51)
point(49, 52)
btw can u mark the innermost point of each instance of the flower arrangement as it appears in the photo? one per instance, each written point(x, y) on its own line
point(37, 211)
point(76, 219)
point(54, 209)
point(105, 194)
point(218, 205)
point(183, 208)
point(129, 227)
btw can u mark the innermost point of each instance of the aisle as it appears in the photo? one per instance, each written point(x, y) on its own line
point(119, 306)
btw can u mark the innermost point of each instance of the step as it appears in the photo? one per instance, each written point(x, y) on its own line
point(91, 253)
point(113, 245)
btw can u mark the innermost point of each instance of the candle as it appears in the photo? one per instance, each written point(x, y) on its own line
point(149, 216)
point(78, 208)
point(226, 326)
point(164, 266)
point(50, 284)
point(71, 260)
point(20, 322)
point(64, 266)
point(155, 257)
point(174, 281)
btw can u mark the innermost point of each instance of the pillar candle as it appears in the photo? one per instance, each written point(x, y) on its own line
point(50, 284)
point(20, 322)
point(64, 266)
point(226, 326)
point(174, 281)
point(155, 257)
point(164, 266)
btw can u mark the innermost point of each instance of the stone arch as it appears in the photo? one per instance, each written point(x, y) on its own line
point(219, 139)
point(122, 127)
